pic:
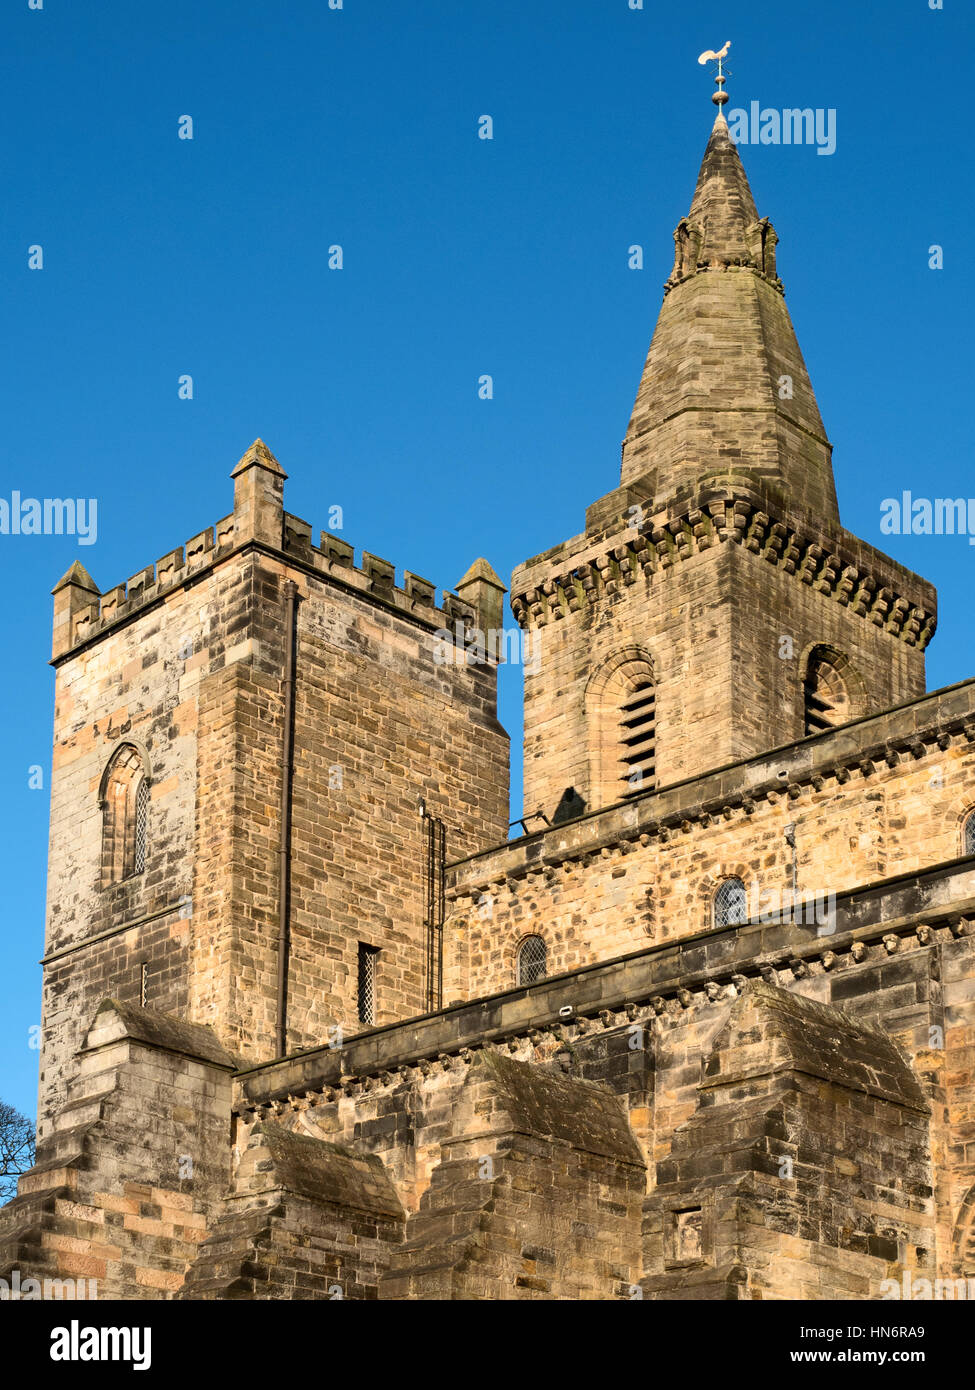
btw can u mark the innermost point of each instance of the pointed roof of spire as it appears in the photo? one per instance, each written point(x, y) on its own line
point(725, 393)
point(723, 204)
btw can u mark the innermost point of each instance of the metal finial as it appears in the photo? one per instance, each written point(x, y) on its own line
point(709, 56)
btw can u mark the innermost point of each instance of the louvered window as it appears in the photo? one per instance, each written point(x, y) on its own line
point(637, 736)
point(825, 696)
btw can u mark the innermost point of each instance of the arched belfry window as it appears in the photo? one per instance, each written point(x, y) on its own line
point(730, 903)
point(622, 714)
point(826, 691)
point(532, 959)
point(968, 835)
point(125, 803)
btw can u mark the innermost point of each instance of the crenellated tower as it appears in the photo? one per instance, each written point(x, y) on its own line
point(259, 763)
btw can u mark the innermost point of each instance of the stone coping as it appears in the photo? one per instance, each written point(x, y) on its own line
point(116, 1020)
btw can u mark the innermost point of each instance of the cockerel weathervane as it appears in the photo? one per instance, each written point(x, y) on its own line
point(709, 56)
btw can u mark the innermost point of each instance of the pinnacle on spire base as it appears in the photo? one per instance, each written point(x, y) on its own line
point(723, 228)
point(78, 577)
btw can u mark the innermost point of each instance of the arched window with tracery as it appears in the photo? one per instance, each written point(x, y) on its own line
point(125, 802)
point(729, 906)
point(623, 728)
point(968, 834)
point(532, 960)
point(826, 691)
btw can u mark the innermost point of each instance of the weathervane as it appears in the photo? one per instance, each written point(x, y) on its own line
point(709, 56)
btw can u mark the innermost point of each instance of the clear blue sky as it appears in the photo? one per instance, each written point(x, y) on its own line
point(462, 257)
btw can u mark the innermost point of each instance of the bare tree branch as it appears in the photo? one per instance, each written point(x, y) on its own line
point(16, 1149)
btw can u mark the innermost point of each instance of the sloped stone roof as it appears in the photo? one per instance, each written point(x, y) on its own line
point(326, 1173)
point(116, 1019)
point(771, 1030)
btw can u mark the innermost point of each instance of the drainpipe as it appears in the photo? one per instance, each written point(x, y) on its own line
point(284, 850)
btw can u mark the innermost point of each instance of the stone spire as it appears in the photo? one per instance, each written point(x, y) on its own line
point(723, 206)
point(725, 390)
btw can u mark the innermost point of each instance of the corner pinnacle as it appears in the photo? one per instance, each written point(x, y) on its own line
point(481, 570)
point(79, 577)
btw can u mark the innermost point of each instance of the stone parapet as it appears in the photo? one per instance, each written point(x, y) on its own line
point(644, 541)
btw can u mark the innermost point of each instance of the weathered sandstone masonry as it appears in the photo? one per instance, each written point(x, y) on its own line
point(319, 1219)
point(719, 565)
point(724, 595)
point(185, 665)
point(879, 796)
point(305, 1220)
point(707, 1032)
point(794, 1097)
point(124, 1182)
point(901, 959)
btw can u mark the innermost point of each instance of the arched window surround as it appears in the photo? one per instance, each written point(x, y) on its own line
point(124, 796)
point(711, 885)
point(968, 831)
point(621, 726)
point(729, 902)
point(836, 697)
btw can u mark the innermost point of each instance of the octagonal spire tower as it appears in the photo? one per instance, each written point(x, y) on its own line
point(725, 389)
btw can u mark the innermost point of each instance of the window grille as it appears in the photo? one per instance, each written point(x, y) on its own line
point(367, 983)
point(730, 903)
point(141, 827)
point(637, 735)
point(969, 836)
point(532, 956)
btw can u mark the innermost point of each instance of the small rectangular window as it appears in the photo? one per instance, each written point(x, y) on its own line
point(368, 959)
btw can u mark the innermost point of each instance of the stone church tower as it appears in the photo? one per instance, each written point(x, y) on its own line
point(246, 738)
point(712, 645)
point(315, 1028)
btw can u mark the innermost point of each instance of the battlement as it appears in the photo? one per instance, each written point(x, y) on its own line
point(82, 611)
